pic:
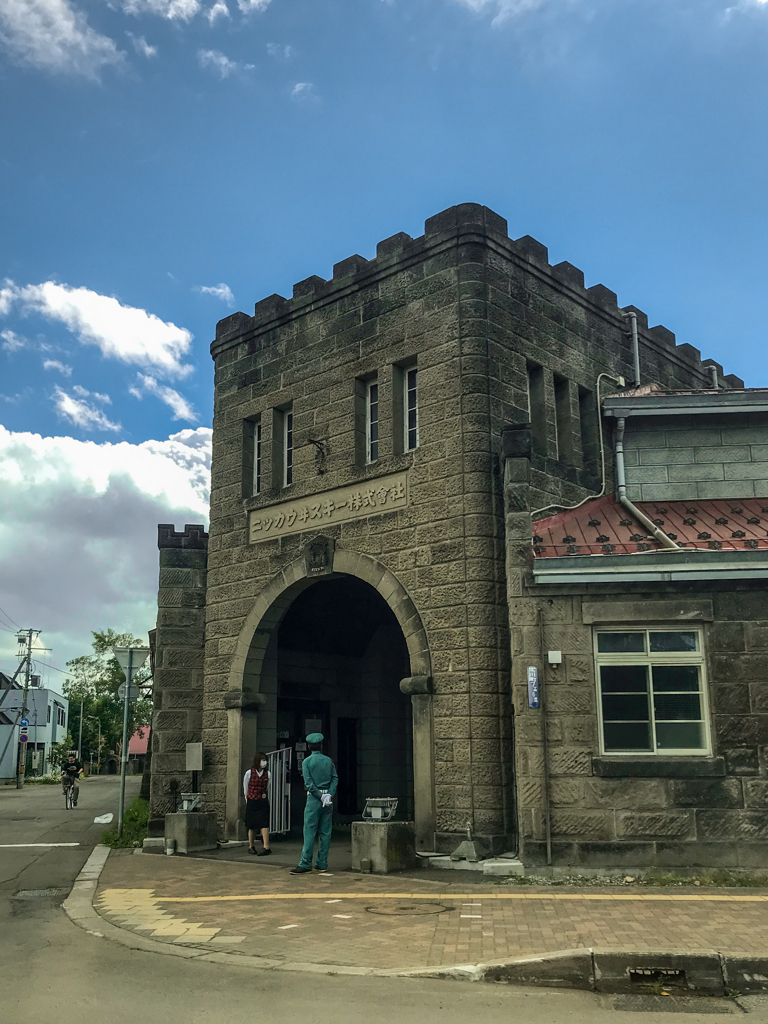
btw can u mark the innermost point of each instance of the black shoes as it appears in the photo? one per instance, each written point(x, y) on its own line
point(252, 849)
point(300, 870)
point(264, 853)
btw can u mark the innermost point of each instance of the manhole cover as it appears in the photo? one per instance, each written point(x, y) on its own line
point(33, 894)
point(405, 909)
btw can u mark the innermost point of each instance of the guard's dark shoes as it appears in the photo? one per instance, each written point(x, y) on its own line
point(300, 870)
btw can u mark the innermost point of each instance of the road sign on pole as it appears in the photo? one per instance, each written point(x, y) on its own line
point(133, 694)
point(23, 739)
point(129, 659)
point(24, 722)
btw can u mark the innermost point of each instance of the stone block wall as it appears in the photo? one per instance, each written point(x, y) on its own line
point(481, 315)
point(688, 457)
point(620, 811)
point(178, 665)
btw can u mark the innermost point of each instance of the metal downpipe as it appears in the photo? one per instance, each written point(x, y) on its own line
point(621, 481)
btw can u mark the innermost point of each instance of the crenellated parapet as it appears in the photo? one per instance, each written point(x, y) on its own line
point(193, 536)
point(458, 224)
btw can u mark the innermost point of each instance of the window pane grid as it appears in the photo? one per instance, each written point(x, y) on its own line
point(372, 422)
point(288, 449)
point(257, 458)
point(651, 693)
point(411, 410)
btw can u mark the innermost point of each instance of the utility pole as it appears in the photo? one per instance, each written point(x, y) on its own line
point(80, 740)
point(22, 756)
point(130, 660)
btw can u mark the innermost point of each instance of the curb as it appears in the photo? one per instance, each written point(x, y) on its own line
point(706, 972)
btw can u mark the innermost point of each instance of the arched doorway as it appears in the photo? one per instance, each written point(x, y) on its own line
point(340, 657)
point(342, 651)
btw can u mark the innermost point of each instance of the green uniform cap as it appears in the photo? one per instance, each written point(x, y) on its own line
point(315, 737)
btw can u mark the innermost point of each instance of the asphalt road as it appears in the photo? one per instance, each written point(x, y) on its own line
point(53, 970)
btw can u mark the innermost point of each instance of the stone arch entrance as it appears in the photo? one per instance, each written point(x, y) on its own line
point(253, 679)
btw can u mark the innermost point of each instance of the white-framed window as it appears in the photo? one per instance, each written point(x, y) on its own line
point(287, 448)
point(371, 421)
point(257, 457)
point(411, 409)
point(651, 691)
point(61, 716)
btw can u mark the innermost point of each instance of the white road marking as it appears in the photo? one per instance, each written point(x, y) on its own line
point(334, 901)
point(477, 917)
point(344, 917)
point(285, 927)
point(17, 846)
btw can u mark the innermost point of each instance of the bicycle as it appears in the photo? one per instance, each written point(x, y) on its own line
point(69, 793)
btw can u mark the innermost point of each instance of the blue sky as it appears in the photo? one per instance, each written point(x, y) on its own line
point(151, 149)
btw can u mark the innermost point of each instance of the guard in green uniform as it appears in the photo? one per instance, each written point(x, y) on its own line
point(321, 780)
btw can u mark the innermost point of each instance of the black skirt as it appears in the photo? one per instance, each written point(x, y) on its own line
point(257, 814)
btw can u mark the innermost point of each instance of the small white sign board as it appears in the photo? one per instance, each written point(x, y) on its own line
point(194, 757)
point(140, 655)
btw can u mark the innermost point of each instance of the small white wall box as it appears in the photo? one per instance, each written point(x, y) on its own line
point(379, 808)
point(194, 757)
point(555, 657)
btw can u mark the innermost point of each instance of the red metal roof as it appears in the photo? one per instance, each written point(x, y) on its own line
point(604, 527)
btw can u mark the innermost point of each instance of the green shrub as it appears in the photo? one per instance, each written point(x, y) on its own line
point(135, 822)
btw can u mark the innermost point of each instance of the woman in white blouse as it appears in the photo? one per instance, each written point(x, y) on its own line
point(256, 791)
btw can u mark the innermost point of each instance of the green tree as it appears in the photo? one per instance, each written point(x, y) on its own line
point(93, 684)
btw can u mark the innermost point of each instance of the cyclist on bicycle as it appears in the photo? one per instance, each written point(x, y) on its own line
point(70, 773)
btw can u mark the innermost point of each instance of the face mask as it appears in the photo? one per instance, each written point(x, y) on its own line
point(262, 764)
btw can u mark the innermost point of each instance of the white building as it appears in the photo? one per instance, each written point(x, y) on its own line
point(48, 716)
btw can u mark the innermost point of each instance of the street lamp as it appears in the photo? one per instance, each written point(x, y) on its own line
point(98, 748)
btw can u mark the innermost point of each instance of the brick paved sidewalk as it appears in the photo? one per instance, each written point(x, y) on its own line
point(400, 923)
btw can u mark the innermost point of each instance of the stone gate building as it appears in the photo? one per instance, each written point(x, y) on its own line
point(380, 442)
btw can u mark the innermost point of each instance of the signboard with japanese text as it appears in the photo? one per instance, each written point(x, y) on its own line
point(533, 687)
point(369, 498)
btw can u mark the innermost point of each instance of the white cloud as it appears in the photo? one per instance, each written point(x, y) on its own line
point(55, 36)
point(84, 393)
point(54, 364)
point(121, 332)
point(304, 92)
point(182, 410)
point(280, 50)
point(250, 6)
point(219, 62)
point(173, 10)
point(141, 46)
point(12, 342)
point(219, 10)
point(221, 291)
point(79, 518)
point(81, 413)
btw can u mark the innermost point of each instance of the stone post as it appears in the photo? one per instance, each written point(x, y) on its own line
point(419, 688)
point(178, 660)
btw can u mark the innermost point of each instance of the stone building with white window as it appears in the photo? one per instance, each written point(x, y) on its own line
point(382, 442)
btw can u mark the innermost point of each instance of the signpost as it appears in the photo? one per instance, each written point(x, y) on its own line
point(130, 659)
point(133, 694)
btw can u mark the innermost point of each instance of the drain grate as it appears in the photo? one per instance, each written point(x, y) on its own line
point(665, 976)
point(34, 894)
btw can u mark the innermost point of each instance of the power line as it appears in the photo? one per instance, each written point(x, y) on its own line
point(8, 617)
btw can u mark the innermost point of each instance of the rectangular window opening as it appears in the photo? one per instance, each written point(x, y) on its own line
point(372, 421)
point(537, 410)
point(651, 691)
point(411, 408)
point(590, 432)
point(287, 448)
point(563, 423)
point(257, 458)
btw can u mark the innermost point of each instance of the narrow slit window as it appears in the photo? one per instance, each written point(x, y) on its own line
point(411, 410)
point(257, 458)
point(372, 422)
point(537, 412)
point(287, 448)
